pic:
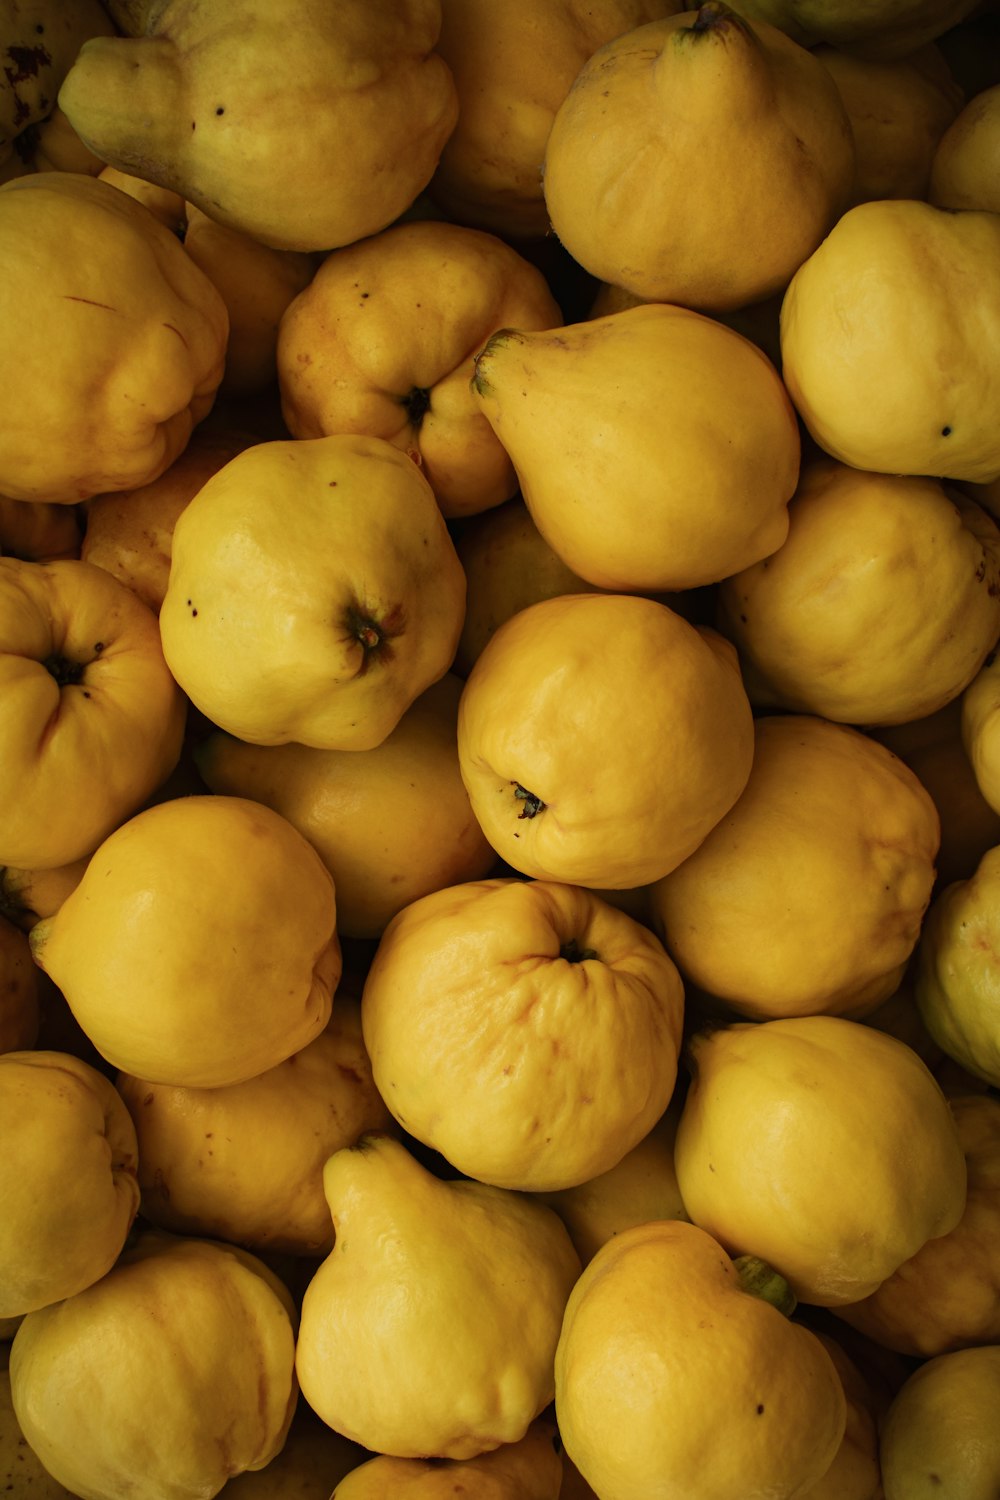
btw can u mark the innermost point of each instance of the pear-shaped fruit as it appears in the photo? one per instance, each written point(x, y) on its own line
point(656, 448)
point(431, 1327)
point(305, 128)
point(68, 1186)
point(200, 946)
point(178, 1366)
point(698, 159)
point(772, 1163)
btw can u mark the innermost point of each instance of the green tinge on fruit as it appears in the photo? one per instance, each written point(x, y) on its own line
point(758, 1279)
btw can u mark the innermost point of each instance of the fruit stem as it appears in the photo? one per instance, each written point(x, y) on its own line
point(758, 1279)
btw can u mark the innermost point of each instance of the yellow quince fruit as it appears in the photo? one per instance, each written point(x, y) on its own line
point(956, 987)
point(947, 1296)
point(244, 1162)
point(679, 1373)
point(980, 728)
point(526, 1030)
point(431, 1327)
point(771, 1162)
point(810, 621)
point(117, 337)
point(314, 593)
point(68, 1186)
point(178, 1366)
point(940, 1435)
point(200, 946)
point(305, 128)
point(560, 798)
point(93, 720)
point(808, 894)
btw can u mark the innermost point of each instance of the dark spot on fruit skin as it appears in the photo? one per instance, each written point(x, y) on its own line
point(946, 432)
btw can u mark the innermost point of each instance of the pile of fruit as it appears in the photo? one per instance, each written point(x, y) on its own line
point(500, 749)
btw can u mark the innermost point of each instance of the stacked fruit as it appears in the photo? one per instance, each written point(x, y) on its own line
point(500, 813)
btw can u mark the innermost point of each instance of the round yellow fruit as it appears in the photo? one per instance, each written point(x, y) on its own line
point(601, 737)
point(940, 1435)
point(771, 1162)
point(200, 946)
point(526, 1030)
point(673, 1379)
point(808, 895)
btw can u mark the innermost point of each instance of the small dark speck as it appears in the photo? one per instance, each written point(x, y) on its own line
point(934, 1478)
point(85, 693)
point(194, 614)
point(40, 29)
point(98, 647)
point(760, 1408)
point(946, 432)
point(333, 484)
point(193, 125)
point(364, 295)
point(220, 109)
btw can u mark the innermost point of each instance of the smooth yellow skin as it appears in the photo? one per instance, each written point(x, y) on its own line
point(530, 1469)
point(980, 729)
point(699, 160)
point(821, 1145)
point(245, 1163)
point(430, 1330)
point(314, 593)
point(889, 332)
point(177, 1365)
point(80, 755)
point(656, 448)
point(200, 946)
point(117, 337)
point(406, 311)
point(811, 623)
point(391, 825)
point(957, 973)
point(940, 1435)
point(513, 65)
point(526, 1030)
point(129, 533)
point(965, 171)
point(378, 100)
point(545, 709)
point(948, 1295)
point(899, 109)
point(68, 1187)
point(808, 895)
point(639, 1188)
point(662, 1354)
